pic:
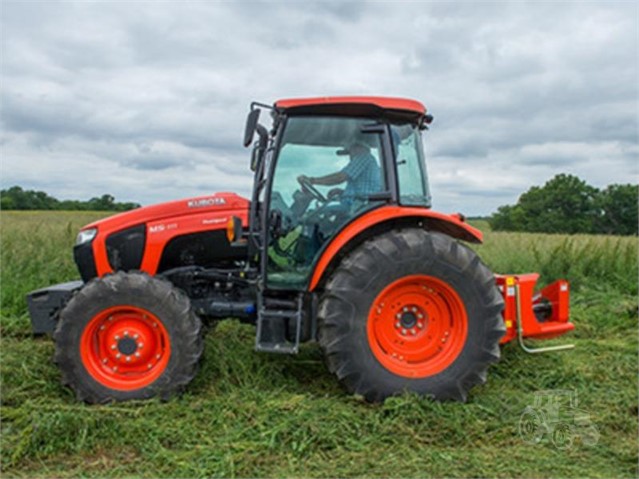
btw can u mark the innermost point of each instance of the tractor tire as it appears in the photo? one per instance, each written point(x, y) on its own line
point(127, 336)
point(411, 311)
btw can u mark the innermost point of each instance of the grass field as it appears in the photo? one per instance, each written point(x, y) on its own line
point(255, 415)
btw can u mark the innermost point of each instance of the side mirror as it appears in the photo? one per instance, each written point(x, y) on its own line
point(251, 124)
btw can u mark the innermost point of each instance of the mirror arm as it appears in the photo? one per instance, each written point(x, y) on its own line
point(263, 132)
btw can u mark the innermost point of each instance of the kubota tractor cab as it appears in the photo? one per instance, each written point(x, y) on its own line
point(337, 244)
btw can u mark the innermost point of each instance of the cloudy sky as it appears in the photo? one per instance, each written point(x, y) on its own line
point(147, 100)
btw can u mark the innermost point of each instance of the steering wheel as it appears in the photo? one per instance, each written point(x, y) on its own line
point(315, 193)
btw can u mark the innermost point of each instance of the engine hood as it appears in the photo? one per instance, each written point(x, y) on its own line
point(217, 202)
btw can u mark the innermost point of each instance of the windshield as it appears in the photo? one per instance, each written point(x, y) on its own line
point(411, 168)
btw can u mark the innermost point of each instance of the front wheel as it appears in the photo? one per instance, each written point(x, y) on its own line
point(411, 311)
point(127, 336)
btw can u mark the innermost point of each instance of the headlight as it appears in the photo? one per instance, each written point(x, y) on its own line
point(85, 236)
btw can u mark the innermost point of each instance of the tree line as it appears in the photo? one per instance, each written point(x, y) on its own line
point(15, 198)
point(567, 204)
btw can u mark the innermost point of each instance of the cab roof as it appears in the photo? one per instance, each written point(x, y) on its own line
point(353, 105)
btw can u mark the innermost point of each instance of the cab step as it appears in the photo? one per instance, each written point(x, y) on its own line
point(278, 320)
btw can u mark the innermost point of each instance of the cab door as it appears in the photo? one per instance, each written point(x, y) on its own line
point(303, 217)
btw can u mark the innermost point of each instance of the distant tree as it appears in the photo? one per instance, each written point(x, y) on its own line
point(19, 199)
point(15, 198)
point(104, 203)
point(618, 210)
point(565, 204)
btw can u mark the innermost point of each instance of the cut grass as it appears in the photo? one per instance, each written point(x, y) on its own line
point(253, 415)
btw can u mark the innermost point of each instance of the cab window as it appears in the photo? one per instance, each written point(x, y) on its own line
point(411, 169)
point(325, 173)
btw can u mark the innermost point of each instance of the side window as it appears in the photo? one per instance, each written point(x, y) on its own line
point(411, 170)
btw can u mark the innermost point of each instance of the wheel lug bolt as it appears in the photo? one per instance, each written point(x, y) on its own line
point(443, 340)
point(420, 325)
point(137, 354)
point(149, 365)
point(405, 309)
point(140, 345)
point(136, 336)
point(155, 325)
point(414, 309)
point(413, 332)
point(113, 346)
point(403, 331)
point(115, 368)
point(128, 358)
point(420, 315)
point(104, 361)
point(157, 356)
point(398, 316)
point(117, 336)
point(102, 327)
point(110, 318)
point(126, 333)
point(397, 325)
point(118, 356)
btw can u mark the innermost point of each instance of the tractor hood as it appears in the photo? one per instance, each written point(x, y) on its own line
point(217, 202)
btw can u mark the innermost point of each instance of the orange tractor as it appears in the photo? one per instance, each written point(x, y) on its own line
point(337, 244)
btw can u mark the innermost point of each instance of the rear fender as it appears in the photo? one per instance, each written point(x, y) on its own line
point(385, 218)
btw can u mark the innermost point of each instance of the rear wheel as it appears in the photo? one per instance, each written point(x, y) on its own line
point(127, 336)
point(411, 311)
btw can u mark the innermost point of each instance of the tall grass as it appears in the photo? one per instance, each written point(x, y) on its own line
point(251, 415)
point(604, 262)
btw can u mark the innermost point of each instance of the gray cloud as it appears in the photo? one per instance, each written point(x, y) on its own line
point(147, 101)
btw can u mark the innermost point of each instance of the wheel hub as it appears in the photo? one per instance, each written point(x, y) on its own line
point(411, 318)
point(417, 326)
point(125, 347)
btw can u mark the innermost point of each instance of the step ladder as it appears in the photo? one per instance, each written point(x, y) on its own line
point(276, 317)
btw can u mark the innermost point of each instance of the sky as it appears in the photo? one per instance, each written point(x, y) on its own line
point(147, 100)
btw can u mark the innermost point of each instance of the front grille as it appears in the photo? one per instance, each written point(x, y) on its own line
point(83, 256)
point(125, 248)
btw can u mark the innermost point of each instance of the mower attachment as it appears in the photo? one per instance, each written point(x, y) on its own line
point(543, 315)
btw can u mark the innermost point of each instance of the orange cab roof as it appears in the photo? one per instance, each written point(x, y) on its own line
point(381, 102)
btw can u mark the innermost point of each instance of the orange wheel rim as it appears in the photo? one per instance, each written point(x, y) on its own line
point(125, 348)
point(417, 326)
